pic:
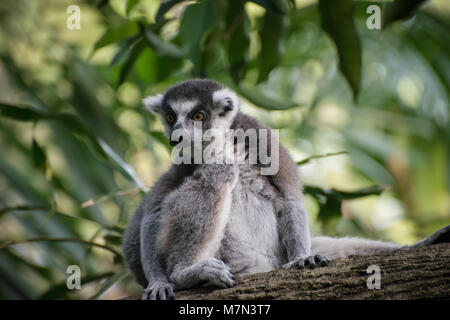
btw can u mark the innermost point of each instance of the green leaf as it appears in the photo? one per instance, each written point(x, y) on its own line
point(131, 4)
point(77, 127)
point(114, 34)
point(197, 22)
point(264, 100)
point(19, 113)
point(237, 35)
point(147, 65)
point(161, 138)
point(124, 167)
point(162, 48)
point(123, 49)
point(272, 42)
point(109, 283)
point(319, 156)
point(330, 209)
point(43, 209)
point(344, 195)
point(28, 114)
point(9, 243)
point(369, 191)
point(330, 200)
point(153, 68)
point(21, 208)
point(42, 271)
point(39, 157)
point(274, 6)
point(164, 8)
point(102, 3)
point(69, 120)
point(337, 21)
point(113, 239)
point(400, 9)
point(129, 63)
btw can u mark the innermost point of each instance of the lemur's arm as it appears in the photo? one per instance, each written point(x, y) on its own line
point(292, 218)
point(152, 258)
point(139, 245)
point(192, 230)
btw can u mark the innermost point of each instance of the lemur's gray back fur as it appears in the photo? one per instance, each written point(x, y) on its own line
point(207, 223)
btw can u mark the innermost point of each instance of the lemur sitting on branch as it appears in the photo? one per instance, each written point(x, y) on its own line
point(211, 222)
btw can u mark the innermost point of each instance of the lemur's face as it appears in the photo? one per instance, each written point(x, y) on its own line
point(194, 103)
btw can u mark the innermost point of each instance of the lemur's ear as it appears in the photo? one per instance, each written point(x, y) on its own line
point(225, 102)
point(154, 103)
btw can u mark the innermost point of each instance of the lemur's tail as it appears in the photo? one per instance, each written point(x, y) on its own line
point(334, 248)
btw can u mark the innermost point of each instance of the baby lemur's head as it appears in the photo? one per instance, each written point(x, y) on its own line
point(193, 102)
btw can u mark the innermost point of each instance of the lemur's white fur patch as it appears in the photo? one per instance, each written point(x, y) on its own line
point(222, 212)
point(222, 98)
point(182, 107)
point(153, 103)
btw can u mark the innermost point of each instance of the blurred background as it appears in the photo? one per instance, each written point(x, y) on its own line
point(365, 112)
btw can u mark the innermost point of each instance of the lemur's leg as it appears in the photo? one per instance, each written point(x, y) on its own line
point(335, 248)
point(294, 231)
point(292, 218)
point(295, 236)
point(192, 230)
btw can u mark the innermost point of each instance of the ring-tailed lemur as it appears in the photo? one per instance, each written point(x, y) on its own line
point(209, 222)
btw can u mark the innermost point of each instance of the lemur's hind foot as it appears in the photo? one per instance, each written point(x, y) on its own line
point(209, 270)
point(440, 236)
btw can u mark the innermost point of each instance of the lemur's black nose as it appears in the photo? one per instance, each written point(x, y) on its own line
point(175, 142)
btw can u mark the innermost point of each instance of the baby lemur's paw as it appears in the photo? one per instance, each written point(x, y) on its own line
point(158, 291)
point(309, 262)
point(216, 272)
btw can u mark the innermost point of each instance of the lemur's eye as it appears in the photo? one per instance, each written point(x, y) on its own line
point(170, 118)
point(198, 116)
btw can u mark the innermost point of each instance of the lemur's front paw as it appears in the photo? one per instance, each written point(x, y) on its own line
point(216, 272)
point(310, 262)
point(159, 291)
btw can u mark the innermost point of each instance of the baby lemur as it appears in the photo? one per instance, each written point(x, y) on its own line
point(211, 222)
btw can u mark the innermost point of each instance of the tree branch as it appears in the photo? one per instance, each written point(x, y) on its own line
point(420, 273)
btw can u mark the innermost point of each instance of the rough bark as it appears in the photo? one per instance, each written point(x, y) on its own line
point(406, 274)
